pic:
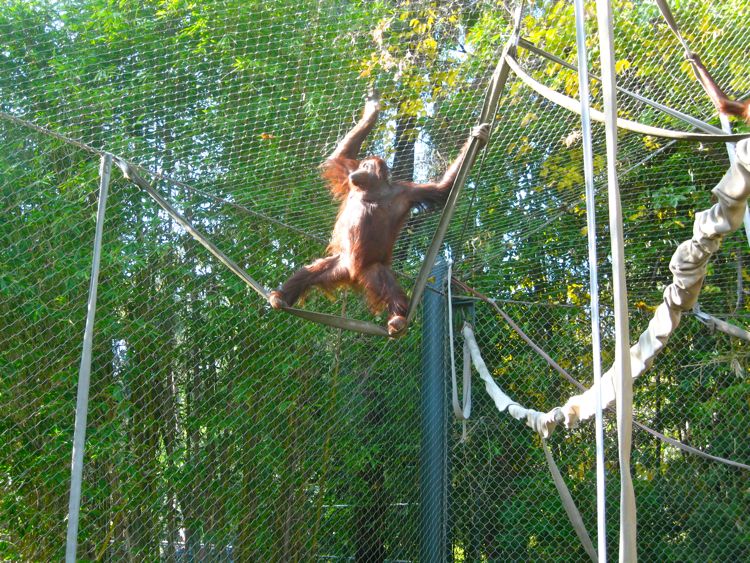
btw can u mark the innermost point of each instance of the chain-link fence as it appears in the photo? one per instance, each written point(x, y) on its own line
point(219, 429)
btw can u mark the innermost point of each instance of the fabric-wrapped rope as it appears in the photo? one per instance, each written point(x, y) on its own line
point(688, 266)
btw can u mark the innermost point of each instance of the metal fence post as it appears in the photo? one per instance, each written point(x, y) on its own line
point(84, 373)
point(433, 462)
point(596, 339)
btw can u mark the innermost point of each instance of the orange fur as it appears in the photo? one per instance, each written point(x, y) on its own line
point(372, 211)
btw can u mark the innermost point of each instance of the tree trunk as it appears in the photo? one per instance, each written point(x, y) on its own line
point(403, 160)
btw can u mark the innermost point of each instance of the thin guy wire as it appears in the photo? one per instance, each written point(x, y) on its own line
point(159, 175)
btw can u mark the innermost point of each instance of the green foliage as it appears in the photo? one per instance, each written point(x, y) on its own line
point(216, 424)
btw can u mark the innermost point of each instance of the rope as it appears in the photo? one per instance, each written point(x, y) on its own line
point(442, 228)
point(504, 403)
point(672, 23)
point(158, 175)
point(715, 323)
point(130, 173)
point(690, 449)
point(624, 382)
point(559, 369)
point(515, 38)
point(569, 504)
point(697, 123)
point(461, 412)
point(669, 18)
point(575, 106)
point(323, 318)
point(334, 321)
point(731, 153)
point(494, 90)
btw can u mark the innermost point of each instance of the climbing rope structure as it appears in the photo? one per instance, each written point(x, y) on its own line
point(160, 174)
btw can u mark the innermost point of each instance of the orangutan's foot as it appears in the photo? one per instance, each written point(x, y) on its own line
point(396, 325)
point(276, 299)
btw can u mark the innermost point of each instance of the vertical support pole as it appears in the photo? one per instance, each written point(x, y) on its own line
point(596, 356)
point(84, 373)
point(433, 460)
point(624, 379)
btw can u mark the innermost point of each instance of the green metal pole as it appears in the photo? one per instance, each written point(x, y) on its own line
point(433, 466)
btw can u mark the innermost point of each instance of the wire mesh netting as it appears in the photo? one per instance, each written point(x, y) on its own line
point(219, 429)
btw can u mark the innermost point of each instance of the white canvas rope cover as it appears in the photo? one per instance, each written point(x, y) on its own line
point(688, 266)
point(542, 423)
